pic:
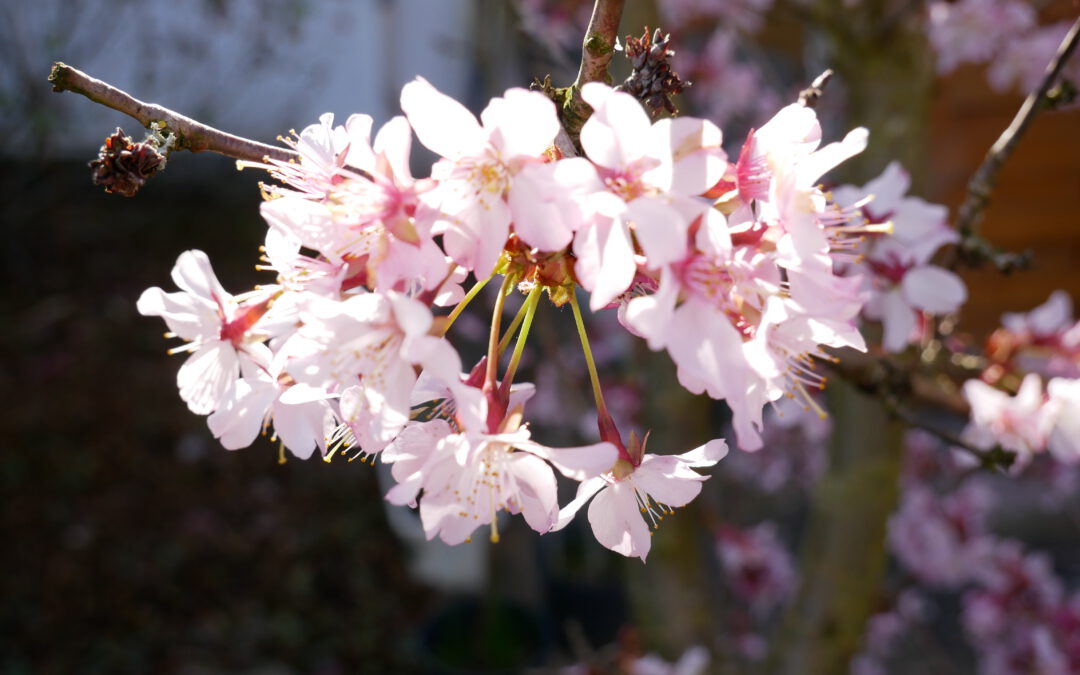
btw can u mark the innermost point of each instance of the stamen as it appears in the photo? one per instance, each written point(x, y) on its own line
point(810, 401)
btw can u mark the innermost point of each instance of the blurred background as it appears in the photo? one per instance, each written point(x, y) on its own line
point(136, 544)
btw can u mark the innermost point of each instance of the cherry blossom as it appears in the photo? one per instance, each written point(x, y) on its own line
point(942, 540)
point(1046, 341)
point(1063, 408)
point(651, 173)
point(221, 330)
point(298, 412)
point(971, 31)
point(482, 163)
point(904, 283)
point(467, 477)
point(1018, 423)
point(758, 567)
point(358, 206)
point(642, 484)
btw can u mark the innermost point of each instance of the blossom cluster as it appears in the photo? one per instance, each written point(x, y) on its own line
point(1016, 611)
point(906, 285)
point(1003, 33)
point(1044, 343)
point(734, 266)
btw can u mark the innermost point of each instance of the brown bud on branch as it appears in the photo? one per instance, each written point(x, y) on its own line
point(123, 166)
point(652, 81)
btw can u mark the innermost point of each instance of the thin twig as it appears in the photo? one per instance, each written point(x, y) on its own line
point(190, 135)
point(982, 182)
point(881, 378)
point(992, 458)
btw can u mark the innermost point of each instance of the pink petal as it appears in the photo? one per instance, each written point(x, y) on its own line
point(442, 124)
point(537, 482)
point(534, 202)
point(650, 316)
point(617, 132)
point(521, 123)
point(474, 236)
point(705, 455)
point(898, 320)
point(577, 463)
point(358, 131)
point(206, 375)
point(300, 426)
point(660, 478)
point(889, 188)
point(236, 423)
point(412, 316)
point(825, 159)
point(185, 314)
point(394, 142)
point(194, 274)
point(689, 149)
point(308, 220)
point(660, 229)
point(605, 261)
point(934, 289)
point(617, 523)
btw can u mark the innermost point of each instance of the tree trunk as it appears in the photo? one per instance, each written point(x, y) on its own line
point(888, 76)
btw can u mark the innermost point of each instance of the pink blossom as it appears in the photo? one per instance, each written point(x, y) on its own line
point(365, 218)
point(918, 228)
point(298, 412)
point(1063, 409)
point(905, 291)
point(365, 348)
point(481, 167)
point(942, 540)
point(651, 173)
point(1046, 340)
point(757, 566)
point(221, 330)
point(904, 283)
point(1045, 322)
point(652, 486)
point(1021, 63)
point(1017, 423)
point(972, 31)
point(467, 477)
point(734, 326)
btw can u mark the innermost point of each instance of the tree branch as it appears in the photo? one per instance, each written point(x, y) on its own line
point(996, 458)
point(599, 42)
point(972, 246)
point(596, 52)
point(190, 135)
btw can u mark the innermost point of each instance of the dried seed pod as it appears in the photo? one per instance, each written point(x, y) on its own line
point(652, 81)
point(123, 166)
